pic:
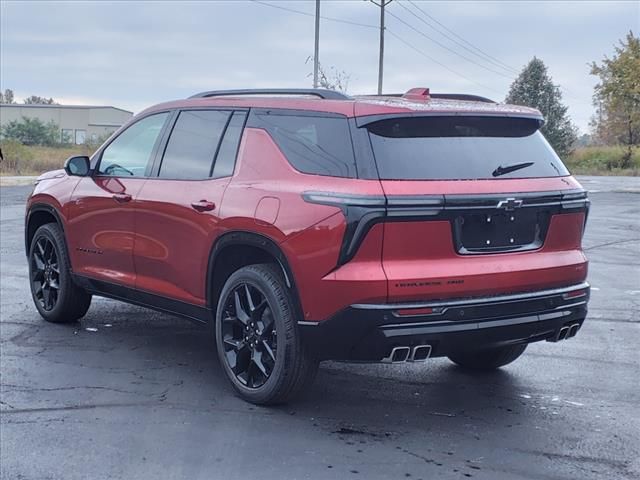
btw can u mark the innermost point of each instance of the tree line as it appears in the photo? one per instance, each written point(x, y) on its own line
point(616, 98)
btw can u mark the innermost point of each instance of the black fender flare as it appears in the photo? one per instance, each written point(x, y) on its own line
point(250, 239)
point(42, 207)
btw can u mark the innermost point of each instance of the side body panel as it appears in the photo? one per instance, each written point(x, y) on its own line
point(173, 239)
point(100, 228)
point(310, 235)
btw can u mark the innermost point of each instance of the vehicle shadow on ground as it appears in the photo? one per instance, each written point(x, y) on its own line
point(145, 350)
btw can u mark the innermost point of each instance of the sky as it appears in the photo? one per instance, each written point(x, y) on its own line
point(135, 54)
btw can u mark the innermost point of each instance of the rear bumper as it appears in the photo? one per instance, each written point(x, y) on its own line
point(369, 332)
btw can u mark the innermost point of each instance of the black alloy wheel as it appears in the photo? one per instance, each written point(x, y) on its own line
point(249, 335)
point(45, 273)
point(56, 296)
point(257, 338)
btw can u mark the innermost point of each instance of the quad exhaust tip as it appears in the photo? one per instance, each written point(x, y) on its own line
point(573, 329)
point(567, 332)
point(419, 353)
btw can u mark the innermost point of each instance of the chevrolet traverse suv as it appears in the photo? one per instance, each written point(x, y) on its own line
point(306, 225)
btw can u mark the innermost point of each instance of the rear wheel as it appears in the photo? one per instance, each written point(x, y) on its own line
point(489, 358)
point(257, 337)
point(56, 297)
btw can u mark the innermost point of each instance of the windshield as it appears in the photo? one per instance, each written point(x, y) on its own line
point(462, 148)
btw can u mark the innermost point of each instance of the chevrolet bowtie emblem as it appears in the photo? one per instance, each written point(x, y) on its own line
point(509, 204)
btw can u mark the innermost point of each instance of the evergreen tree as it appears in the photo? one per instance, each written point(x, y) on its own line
point(534, 88)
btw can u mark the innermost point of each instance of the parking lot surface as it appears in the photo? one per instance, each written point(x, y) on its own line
point(134, 394)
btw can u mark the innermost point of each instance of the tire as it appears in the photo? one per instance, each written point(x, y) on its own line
point(49, 267)
point(258, 341)
point(488, 359)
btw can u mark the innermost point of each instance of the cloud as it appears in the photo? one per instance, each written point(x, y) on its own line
point(133, 54)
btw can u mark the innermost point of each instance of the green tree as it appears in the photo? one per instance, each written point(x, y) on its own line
point(7, 97)
point(36, 100)
point(617, 97)
point(534, 88)
point(31, 131)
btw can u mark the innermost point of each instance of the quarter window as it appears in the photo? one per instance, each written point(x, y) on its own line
point(193, 144)
point(129, 153)
point(315, 145)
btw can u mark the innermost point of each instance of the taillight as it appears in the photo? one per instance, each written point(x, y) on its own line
point(574, 294)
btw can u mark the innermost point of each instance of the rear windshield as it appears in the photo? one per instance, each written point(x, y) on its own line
point(462, 148)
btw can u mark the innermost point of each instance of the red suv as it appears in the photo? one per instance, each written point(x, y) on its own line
point(305, 225)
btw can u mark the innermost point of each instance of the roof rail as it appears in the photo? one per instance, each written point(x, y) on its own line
point(445, 96)
point(316, 92)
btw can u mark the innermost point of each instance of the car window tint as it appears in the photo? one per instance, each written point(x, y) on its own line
point(129, 154)
point(226, 158)
point(193, 144)
point(315, 145)
point(462, 148)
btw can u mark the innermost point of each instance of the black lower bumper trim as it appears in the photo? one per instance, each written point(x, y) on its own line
point(369, 334)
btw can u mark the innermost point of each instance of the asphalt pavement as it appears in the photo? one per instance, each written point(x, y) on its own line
point(133, 394)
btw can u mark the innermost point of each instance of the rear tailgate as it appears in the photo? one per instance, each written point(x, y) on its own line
point(456, 229)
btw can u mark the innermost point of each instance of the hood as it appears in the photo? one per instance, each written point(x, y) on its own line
point(51, 174)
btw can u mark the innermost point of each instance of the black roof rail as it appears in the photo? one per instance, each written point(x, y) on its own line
point(316, 92)
point(445, 96)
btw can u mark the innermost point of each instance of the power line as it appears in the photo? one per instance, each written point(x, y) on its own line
point(416, 49)
point(397, 37)
point(420, 32)
point(300, 12)
point(459, 37)
point(483, 56)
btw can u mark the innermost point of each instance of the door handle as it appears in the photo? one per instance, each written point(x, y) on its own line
point(203, 206)
point(122, 197)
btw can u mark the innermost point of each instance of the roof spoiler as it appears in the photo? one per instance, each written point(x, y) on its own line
point(315, 92)
point(425, 94)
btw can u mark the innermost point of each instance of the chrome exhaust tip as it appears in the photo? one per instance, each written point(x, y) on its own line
point(420, 353)
point(573, 329)
point(562, 335)
point(398, 355)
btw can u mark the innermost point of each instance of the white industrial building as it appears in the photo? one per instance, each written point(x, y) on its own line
point(77, 123)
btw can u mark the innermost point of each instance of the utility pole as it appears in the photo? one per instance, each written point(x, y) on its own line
point(316, 51)
point(382, 5)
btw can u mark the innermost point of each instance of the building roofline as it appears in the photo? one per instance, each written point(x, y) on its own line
point(37, 105)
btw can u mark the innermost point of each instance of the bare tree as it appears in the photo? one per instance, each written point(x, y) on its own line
point(331, 78)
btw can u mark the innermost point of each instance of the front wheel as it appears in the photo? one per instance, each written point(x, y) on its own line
point(257, 337)
point(55, 295)
point(489, 358)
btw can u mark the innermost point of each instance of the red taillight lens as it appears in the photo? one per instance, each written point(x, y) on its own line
point(574, 294)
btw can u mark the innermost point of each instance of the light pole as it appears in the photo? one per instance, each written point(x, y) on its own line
point(316, 51)
point(382, 5)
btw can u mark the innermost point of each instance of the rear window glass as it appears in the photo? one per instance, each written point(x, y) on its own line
point(462, 148)
point(315, 145)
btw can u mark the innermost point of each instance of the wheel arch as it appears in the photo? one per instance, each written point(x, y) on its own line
point(237, 249)
point(38, 215)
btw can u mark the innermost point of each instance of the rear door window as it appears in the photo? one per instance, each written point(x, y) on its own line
point(228, 151)
point(318, 145)
point(462, 148)
point(193, 144)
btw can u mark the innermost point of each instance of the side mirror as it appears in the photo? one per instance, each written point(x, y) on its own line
point(78, 166)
